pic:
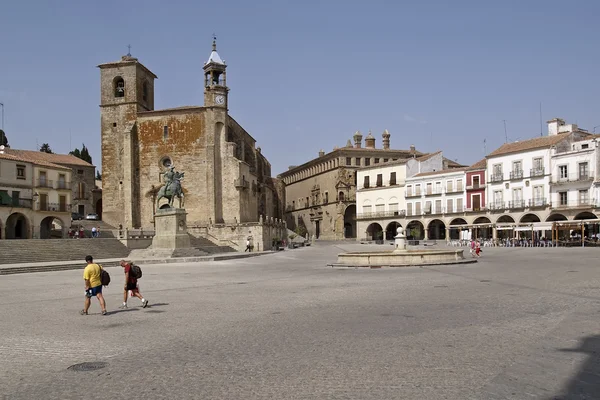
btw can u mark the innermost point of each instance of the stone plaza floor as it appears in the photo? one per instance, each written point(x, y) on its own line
point(523, 323)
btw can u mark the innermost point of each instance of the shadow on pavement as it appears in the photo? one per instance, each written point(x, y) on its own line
point(586, 384)
point(157, 305)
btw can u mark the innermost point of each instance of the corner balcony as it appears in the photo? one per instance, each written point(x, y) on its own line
point(516, 175)
point(571, 178)
point(496, 178)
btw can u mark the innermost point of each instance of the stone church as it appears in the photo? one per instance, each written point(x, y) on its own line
point(227, 180)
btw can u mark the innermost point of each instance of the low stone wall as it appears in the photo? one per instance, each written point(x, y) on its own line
point(261, 234)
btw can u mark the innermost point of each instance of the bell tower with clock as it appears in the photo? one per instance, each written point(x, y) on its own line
point(215, 80)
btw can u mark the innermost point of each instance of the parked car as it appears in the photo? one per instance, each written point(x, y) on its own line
point(92, 217)
point(76, 216)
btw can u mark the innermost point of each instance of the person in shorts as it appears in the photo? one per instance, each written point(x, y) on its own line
point(131, 285)
point(93, 285)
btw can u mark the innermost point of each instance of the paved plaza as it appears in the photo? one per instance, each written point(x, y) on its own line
point(523, 323)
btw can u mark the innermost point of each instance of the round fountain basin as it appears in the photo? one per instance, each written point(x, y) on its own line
point(401, 258)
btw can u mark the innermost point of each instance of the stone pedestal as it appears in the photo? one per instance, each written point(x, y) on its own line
point(170, 229)
point(400, 240)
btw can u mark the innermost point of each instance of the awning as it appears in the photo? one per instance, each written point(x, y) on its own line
point(523, 228)
point(5, 199)
point(542, 227)
point(504, 228)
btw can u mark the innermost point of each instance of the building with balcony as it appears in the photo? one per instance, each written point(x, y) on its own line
point(321, 193)
point(35, 198)
point(476, 183)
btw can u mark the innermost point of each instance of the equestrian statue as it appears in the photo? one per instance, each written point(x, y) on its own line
point(172, 187)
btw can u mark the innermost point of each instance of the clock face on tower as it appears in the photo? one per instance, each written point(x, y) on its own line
point(220, 99)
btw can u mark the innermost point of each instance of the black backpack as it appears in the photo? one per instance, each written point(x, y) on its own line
point(135, 271)
point(104, 277)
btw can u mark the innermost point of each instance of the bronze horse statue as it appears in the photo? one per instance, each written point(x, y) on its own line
point(171, 190)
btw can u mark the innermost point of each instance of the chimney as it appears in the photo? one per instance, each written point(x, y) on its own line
point(370, 141)
point(554, 126)
point(357, 139)
point(386, 139)
point(413, 150)
point(321, 153)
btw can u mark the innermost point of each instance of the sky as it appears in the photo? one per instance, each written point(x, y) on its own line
point(306, 75)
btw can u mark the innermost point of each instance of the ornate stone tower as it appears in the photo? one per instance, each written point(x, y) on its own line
point(126, 88)
point(215, 100)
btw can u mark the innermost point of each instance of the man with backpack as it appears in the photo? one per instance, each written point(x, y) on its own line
point(93, 277)
point(132, 274)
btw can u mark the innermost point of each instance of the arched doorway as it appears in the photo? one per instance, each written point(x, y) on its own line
point(415, 230)
point(391, 230)
point(455, 230)
point(505, 227)
point(350, 221)
point(482, 228)
point(52, 228)
point(17, 227)
point(374, 232)
point(436, 230)
point(99, 209)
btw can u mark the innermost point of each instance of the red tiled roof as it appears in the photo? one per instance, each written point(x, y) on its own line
point(531, 144)
point(13, 157)
point(481, 164)
point(41, 157)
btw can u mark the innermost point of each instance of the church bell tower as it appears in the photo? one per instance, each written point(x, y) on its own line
point(215, 80)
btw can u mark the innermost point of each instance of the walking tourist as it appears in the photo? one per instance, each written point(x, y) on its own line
point(477, 249)
point(248, 248)
point(131, 284)
point(93, 231)
point(93, 285)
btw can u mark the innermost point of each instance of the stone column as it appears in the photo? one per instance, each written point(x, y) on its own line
point(447, 234)
point(426, 234)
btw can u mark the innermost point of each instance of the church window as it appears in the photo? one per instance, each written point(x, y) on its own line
point(326, 198)
point(341, 196)
point(119, 87)
point(114, 124)
point(165, 132)
point(145, 91)
point(166, 162)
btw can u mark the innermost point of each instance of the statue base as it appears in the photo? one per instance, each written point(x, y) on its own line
point(170, 229)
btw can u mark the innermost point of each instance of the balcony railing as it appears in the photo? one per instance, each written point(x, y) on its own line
point(44, 183)
point(580, 203)
point(475, 187)
point(516, 174)
point(381, 214)
point(536, 172)
point(434, 192)
point(63, 185)
point(20, 203)
point(497, 205)
point(516, 204)
point(558, 180)
point(54, 207)
point(412, 194)
point(540, 202)
point(496, 178)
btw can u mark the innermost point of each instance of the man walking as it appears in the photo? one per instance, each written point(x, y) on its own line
point(93, 285)
point(131, 285)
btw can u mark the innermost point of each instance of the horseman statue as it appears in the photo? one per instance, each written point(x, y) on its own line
point(172, 187)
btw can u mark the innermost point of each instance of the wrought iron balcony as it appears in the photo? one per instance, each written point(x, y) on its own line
point(516, 174)
point(569, 178)
point(381, 214)
point(539, 202)
point(534, 172)
point(63, 185)
point(475, 187)
point(496, 177)
point(497, 205)
point(580, 203)
point(44, 183)
point(434, 192)
point(53, 207)
point(516, 204)
point(412, 194)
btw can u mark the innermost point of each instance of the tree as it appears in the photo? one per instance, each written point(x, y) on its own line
point(3, 138)
point(45, 148)
point(82, 154)
point(98, 176)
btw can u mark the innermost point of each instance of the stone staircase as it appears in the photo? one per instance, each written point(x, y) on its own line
point(46, 250)
point(208, 246)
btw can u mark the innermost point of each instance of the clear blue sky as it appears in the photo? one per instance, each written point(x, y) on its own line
point(305, 75)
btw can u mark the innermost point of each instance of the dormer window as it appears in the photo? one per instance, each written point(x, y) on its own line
point(119, 85)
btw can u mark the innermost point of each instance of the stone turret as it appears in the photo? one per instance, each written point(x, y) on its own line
point(357, 139)
point(349, 143)
point(370, 141)
point(386, 139)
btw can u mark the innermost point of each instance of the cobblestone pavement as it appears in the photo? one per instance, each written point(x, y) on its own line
point(520, 324)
